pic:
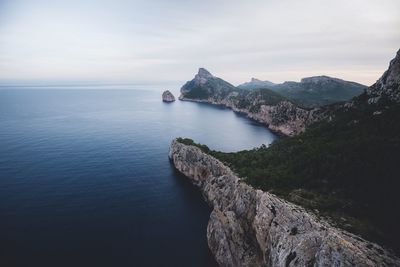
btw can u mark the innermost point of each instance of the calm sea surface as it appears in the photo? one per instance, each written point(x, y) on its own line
point(85, 178)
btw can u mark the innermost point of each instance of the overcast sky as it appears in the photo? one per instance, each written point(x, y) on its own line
point(168, 40)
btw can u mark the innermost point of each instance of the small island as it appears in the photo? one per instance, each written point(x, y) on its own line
point(167, 96)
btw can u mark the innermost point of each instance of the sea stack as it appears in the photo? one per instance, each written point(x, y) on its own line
point(167, 96)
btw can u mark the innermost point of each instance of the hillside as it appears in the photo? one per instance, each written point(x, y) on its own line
point(346, 167)
point(312, 91)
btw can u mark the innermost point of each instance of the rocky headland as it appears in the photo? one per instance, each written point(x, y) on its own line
point(356, 142)
point(249, 227)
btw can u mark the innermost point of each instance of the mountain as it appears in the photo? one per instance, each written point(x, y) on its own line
point(205, 85)
point(312, 91)
point(256, 84)
point(319, 90)
point(263, 105)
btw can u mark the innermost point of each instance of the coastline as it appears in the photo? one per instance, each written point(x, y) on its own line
point(250, 227)
point(283, 119)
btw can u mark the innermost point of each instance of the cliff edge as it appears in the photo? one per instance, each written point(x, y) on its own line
point(249, 227)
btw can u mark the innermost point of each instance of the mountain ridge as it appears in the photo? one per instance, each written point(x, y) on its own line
point(312, 91)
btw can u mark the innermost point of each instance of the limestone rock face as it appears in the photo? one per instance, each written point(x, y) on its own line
point(167, 96)
point(284, 117)
point(387, 88)
point(249, 227)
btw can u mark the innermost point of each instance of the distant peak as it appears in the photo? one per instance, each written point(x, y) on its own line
point(316, 79)
point(203, 73)
point(255, 80)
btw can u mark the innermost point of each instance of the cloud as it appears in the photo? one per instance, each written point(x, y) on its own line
point(124, 40)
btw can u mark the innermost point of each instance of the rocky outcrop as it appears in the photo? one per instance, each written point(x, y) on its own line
point(249, 227)
point(387, 88)
point(167, 96)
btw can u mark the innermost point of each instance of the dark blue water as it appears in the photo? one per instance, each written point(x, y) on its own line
point(85, 179)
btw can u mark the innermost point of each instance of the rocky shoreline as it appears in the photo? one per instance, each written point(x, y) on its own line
point(269, 108)
point(285, 118)
point(249, 227)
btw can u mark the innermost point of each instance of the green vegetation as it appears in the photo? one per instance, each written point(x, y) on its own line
point(190, 142)
point(212, 87)
point(253, 99)
point(198, 93)
point(348, 169)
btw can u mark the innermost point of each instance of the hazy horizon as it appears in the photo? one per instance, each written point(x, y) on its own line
point(126, 42)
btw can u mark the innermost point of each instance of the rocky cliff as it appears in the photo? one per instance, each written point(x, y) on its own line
point(387, 88)
point(167, 96)
point(262, 105)
point(249, 227)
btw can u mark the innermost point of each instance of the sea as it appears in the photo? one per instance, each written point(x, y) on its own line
point(85, 178)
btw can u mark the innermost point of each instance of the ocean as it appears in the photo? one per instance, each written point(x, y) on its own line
point(85, 178)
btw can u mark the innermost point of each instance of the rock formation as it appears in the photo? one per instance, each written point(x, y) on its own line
point(249, 227)
point(262, 105)
point(167, 96)
point(387, 88)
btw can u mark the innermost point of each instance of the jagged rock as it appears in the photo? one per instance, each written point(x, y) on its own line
point(249, 227)
point(387, 88)
point(167, 96)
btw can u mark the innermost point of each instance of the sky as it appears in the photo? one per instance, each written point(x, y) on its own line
point(121, 41)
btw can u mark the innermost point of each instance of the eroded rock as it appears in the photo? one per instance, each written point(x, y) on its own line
point(249, 227)
point(167, 96)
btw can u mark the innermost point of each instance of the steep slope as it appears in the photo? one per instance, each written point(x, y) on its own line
point(248, 227)
point(263, 105)
point(205, 85)
point(346, 167)
point(387, 89)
